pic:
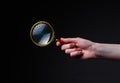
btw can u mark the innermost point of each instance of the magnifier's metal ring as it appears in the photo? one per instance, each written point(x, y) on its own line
point(52, 37)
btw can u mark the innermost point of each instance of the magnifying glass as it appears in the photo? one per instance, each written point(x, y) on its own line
point(42, 34)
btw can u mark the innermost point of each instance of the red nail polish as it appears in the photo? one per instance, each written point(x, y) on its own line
point(61, 42)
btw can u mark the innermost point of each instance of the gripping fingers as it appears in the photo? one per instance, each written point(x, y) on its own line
point(76, 54)
point(68, 51)
point(67, 46)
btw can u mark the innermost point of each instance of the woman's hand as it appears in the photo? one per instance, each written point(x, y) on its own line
point(77, 47)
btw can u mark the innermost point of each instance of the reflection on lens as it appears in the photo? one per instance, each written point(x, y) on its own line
point(42, 33)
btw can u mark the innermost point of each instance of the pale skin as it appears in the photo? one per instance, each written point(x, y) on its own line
point(86, 49)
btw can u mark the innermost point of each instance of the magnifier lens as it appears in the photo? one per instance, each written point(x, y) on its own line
point(42, 34)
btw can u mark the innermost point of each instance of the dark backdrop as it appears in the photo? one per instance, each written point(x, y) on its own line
point(96, 21)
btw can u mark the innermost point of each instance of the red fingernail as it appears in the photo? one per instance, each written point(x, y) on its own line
point(61, 42)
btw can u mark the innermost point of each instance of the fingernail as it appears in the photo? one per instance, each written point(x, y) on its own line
point(59, 40)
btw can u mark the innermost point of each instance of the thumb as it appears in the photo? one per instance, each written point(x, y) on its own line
point(68, 40)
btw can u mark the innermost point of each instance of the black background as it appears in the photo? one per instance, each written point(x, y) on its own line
point(27, 63)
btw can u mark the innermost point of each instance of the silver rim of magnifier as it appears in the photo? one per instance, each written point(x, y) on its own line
point(42, 22)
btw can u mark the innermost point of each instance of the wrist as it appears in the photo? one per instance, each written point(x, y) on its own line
point(96, 47)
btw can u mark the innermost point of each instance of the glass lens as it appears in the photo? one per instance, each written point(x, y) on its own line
point(42, 34)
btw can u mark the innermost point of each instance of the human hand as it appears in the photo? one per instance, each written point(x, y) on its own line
point(77, 47)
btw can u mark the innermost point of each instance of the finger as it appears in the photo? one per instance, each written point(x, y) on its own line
point(67, 46)
point(58, 43)
point(68, 51)
point(68, 40)
point(76, 54)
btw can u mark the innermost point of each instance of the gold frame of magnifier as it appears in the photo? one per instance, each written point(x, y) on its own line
point(52, 37)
